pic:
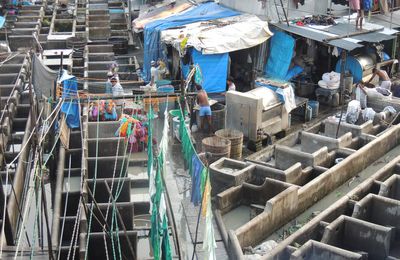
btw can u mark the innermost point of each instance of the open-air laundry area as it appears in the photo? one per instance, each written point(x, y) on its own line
point(188, 129)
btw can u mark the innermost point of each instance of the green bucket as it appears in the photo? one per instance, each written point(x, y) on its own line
point(176, 112)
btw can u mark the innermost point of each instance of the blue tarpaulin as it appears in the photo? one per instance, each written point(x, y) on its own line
point(152, 45)
point(280, 55)
point(214, 68)
point(185, 69)
point(2, 21)
point(71, 109)
point(293, 72)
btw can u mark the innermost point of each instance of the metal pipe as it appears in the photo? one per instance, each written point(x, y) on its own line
point(391, 15)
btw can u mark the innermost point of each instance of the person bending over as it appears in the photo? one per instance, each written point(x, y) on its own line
point(205, 109)
point(383, 78)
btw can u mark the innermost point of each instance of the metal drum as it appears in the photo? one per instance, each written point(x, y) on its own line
point(217, 117)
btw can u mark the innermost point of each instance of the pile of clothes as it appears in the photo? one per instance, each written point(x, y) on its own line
point(135, 132)
point(324, 20)
point(355, 113)
point(103, 111)
point(330, 80)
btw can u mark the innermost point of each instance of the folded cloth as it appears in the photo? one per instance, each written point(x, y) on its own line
point(386, 84)
point(383, 91)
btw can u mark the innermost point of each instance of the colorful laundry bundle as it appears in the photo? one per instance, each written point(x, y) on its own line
point(135, 132)
point(102, 111)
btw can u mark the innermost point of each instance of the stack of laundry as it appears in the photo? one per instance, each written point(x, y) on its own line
point(330, 80)
point(324, 20)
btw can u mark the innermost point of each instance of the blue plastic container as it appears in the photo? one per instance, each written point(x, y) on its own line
point(162, 82)
point(314, 107)
point(166, 89)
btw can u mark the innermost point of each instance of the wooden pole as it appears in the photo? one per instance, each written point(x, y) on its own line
point(338, 37)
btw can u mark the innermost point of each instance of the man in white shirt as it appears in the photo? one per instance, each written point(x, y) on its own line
point(154, 73)
point(231, 85)
point(117, 90)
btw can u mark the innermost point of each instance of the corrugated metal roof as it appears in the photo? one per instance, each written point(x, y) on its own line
point(391, 20)
point(318, 36)
point(345, 28)
point(339, 29)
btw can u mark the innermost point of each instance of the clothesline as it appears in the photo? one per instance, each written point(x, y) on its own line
point(201, 191)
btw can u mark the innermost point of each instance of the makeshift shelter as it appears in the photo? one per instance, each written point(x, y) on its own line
point(210, 42)
point(152, 47)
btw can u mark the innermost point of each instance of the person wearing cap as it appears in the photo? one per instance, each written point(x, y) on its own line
point(117, 89)
point(154, 73)
point(108, 83)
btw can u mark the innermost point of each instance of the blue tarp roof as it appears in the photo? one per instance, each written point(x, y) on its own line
point(152, 44)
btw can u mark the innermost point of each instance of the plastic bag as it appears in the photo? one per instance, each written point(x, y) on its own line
point(353, 111)
point(368, 114)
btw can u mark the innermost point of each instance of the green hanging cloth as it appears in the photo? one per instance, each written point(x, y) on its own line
point(166, 246)
point(150, 116)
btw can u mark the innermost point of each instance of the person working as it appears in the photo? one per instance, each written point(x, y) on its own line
point(205, 109)
point(162, 70)
point(108, 83)
point(117, 89)
point(383, 77)
point(154, 73)
point(231, 85)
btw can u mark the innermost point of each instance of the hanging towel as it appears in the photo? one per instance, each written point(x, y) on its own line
point(197, 168)
point(209, 244)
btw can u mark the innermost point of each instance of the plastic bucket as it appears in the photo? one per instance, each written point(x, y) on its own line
point(314, 106)
point(176, 124)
